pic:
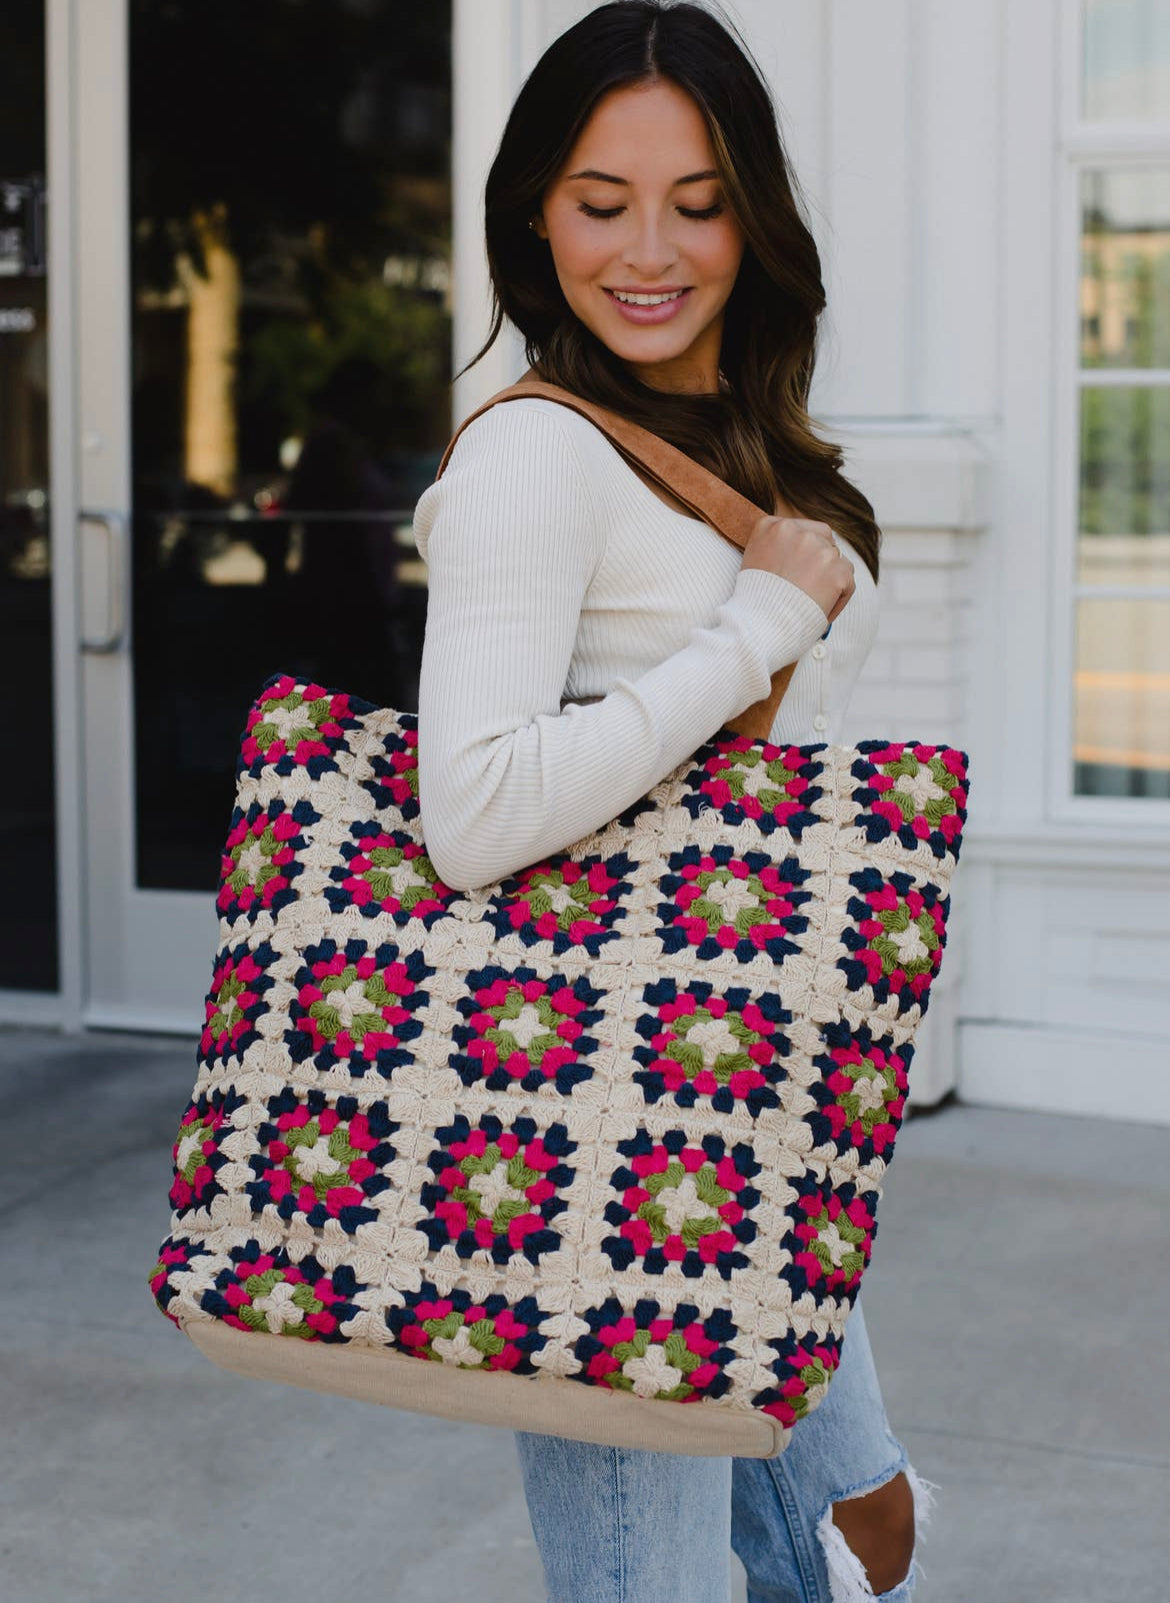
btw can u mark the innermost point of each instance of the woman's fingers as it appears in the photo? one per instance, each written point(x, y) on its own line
point(805, 552)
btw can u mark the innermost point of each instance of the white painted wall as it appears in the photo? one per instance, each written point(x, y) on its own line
point(485, 75)
point(931, 139)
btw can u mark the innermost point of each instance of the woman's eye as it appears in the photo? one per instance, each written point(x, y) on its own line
point(614, 211)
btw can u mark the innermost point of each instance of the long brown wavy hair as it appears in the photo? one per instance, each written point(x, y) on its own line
point(755, 434)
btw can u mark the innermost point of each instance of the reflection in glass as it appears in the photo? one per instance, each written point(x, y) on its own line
point(1122, 690)
point(28, 849)
point(291, 337)
point(1126, 60)
point(1125, 485)
point(1125, 267)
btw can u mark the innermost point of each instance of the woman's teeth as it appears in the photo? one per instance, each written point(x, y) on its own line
point(646, 300)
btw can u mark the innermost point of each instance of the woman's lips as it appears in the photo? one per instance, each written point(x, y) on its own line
point(662, 313)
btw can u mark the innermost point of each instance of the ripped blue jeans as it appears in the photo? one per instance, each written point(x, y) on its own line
point(620, 1525)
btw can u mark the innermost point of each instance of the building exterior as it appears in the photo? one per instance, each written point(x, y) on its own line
point(990, 190)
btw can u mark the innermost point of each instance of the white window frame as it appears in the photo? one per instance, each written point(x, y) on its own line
point(1084, 145)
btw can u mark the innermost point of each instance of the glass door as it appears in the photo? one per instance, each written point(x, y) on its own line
point(28, 935)
point(263, 291)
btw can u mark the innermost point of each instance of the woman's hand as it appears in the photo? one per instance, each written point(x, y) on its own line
point(805, 553)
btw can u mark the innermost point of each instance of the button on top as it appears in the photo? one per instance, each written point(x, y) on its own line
point(819, 649)
point(820, 721)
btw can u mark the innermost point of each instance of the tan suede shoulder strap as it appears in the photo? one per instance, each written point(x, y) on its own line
point(730, 514)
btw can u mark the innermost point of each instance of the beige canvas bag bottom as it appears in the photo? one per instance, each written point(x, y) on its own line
point(519, 1402)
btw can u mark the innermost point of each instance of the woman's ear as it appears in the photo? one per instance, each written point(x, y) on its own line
point(537, 224)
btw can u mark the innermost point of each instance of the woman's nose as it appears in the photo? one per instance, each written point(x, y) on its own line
point(649, 251)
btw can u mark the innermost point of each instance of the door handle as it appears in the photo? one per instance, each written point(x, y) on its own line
point(108, 576)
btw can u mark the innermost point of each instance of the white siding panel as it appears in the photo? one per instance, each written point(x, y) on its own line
point(869, 177)
point(791, 44)
point(954, 248)
point(1065, 1071)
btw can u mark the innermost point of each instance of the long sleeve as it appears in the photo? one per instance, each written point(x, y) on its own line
point(512, 537)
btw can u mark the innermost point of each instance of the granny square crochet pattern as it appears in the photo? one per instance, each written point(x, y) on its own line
point(616, 1126)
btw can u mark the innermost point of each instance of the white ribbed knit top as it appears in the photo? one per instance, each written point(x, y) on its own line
point(583, 638)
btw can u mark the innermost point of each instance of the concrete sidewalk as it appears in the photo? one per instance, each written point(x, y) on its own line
point(1018, 1306)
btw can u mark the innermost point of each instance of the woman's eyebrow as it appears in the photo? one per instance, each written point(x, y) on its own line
point(608, 178)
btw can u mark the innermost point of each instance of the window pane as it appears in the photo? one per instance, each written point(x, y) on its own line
point(1125, 485)
point(1122, 712)
point(1125, 267)
point(28, 851)
point(291, 219)
point(1126, 60)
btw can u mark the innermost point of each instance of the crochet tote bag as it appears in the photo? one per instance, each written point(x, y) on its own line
point(595, 1150)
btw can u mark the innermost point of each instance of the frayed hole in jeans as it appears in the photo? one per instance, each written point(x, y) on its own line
point(848, 1582)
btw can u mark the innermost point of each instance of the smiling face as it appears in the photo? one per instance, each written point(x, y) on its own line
point(645, 249)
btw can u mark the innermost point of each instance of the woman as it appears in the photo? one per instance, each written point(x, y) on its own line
point(584, 636)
